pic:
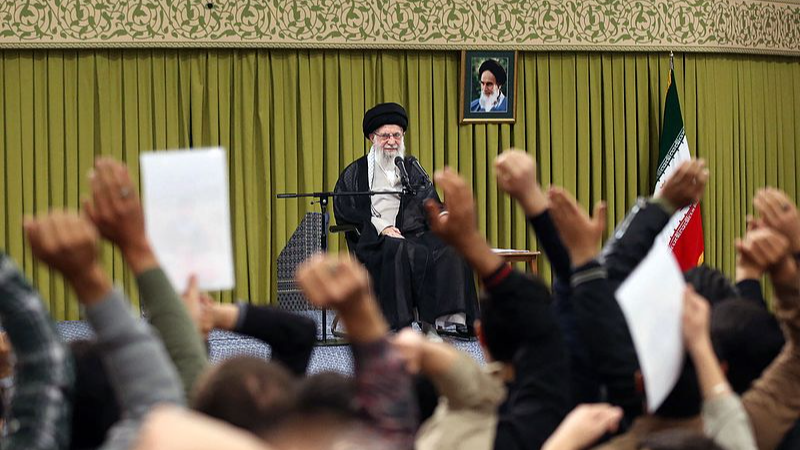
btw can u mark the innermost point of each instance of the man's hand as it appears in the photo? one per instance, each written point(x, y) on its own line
point(686, 185)
point(779, 212)
point(343, 284)
point(696, 319)
point(116, 211)
point(762, 248)
point(67, 243)
point(410, 345)
point(392, 232)
point(200, 307)
point(516, 175)
point(767, 250)
point(581, 234)
point(330, 282)
point(584, 426)
point(457, 225)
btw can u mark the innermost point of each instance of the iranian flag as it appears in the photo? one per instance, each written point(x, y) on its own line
point(684, 232)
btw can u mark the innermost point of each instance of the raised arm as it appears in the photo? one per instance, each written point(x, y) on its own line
point(598, 316)
point(135, 360)
point(538, 401)
point(384, 391)
point(516, 175)
point(117, 212)
point(724, 418)
point(290, 336)
point(634, 237)
point(773, 402)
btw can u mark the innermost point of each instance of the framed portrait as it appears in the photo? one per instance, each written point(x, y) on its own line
point(488, 86)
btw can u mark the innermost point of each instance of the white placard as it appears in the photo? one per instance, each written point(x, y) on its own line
point(652, 300)
point(187, 215)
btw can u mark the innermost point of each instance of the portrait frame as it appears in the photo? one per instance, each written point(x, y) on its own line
point(470, 91)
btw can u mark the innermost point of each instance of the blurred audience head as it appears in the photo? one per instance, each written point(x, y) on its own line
point(505, 325)
point(746, 339)
point(711, 284)
point(247, 392)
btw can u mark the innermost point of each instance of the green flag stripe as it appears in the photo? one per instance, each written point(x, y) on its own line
point(672, 131)
point(665, 160)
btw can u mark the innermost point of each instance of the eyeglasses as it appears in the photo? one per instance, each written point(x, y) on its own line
point(385, 136)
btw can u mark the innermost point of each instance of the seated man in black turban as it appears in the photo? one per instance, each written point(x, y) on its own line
point(410, 267)
point(492, 99)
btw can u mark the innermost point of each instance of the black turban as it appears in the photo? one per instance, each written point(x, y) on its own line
point(496, 69)
point(384, 114)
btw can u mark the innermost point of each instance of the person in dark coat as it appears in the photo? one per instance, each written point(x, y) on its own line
point(410, 267)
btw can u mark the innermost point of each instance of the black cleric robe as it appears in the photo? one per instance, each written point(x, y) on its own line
point(419, 271)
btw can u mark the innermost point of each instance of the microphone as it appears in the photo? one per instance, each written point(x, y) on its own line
point(415, 163)
point(398, 161)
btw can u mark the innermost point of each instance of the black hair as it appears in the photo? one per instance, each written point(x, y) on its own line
point(506, 321)
point(746, 337)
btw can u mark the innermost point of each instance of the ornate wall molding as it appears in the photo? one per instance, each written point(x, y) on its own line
point(736, 26)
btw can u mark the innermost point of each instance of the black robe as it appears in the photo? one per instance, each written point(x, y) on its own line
point(419, 271)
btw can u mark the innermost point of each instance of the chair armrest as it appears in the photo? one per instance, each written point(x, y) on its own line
point(344, 229)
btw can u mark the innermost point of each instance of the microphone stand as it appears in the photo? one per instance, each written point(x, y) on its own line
point(323, 199)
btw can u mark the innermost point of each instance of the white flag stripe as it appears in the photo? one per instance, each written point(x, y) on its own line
point(670, 234)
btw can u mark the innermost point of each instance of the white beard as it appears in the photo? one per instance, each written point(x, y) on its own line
point(386, 158)
point(488, 101)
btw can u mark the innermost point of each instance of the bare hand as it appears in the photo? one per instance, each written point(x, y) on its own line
point(392, 232)
point(580, 233)
point(343, 284)
point(779, 212)
point(686, 185)
point(516, 175)
point(457, 226)
point(763, 248)
point(410, 345)
point(68, 243)
point(330, 282)
point(200, 307)
point(696, 319)
point(115, 208)
point(64, 241)
point(584, 426)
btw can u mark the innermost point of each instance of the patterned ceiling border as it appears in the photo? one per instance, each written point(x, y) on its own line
point(732, 26)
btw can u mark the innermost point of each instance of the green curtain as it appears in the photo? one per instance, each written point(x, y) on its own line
point(291, 120)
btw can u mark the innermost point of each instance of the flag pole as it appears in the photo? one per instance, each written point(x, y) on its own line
point(671, 61)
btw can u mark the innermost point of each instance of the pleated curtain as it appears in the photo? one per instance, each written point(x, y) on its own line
point(290, 121)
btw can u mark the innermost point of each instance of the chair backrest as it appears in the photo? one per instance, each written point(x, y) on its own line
point(305, 241)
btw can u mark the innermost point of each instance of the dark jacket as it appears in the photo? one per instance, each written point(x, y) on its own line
point(538, 398)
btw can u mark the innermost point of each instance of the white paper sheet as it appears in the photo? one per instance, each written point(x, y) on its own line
point(187, 216)
point(652, 301)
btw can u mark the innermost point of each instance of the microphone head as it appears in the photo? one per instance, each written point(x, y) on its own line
point(398, 160)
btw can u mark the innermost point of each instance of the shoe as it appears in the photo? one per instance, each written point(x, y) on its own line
point(456, 330)
point(430, 332)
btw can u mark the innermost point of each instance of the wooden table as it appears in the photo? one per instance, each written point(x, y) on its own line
point(512, 256)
